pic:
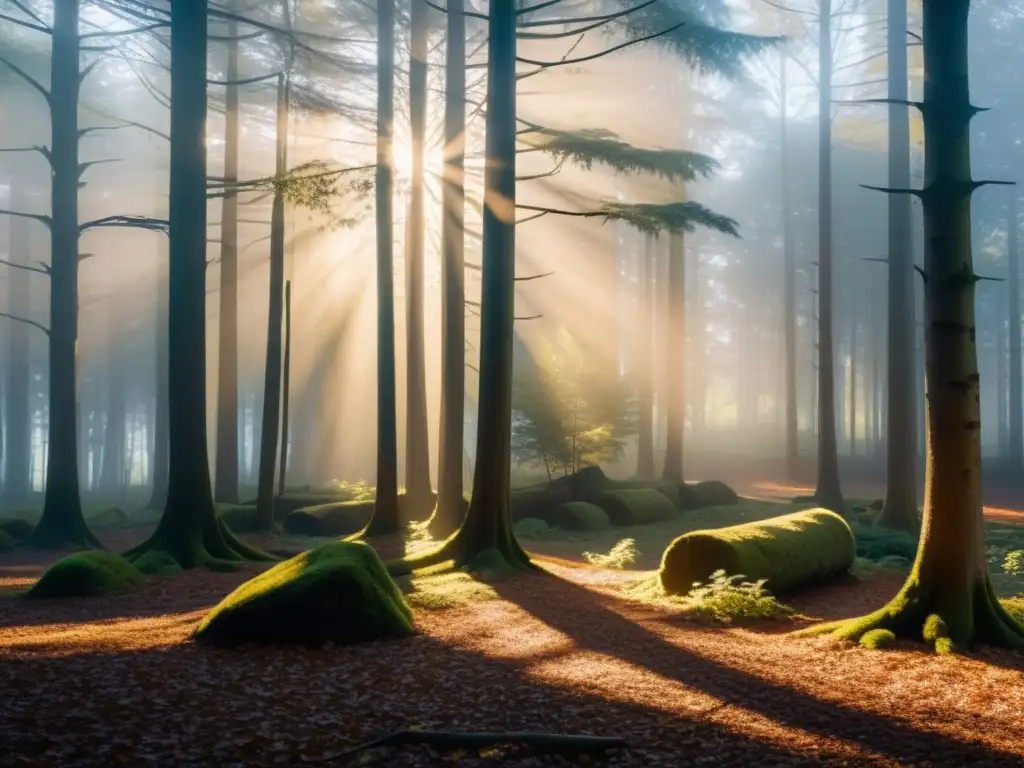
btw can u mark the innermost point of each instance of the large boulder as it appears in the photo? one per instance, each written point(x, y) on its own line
point(788, 552)
point(636, 507)
point(87, 574)
point(580, 516)
point(340, 593)
point(715, 493)
point(16, 527)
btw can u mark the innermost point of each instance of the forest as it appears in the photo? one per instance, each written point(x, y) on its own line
point(511, 382)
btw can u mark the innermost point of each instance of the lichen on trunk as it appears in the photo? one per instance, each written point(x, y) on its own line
point(948, 599)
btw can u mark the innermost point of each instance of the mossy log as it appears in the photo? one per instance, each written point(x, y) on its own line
point(788, 551)
point(636, 507)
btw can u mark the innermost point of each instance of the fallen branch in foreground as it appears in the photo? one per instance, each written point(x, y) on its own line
point(450, 740)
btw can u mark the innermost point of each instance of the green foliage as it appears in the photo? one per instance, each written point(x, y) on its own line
point(531, 527)
point(725, 598)
point(340, 593)
point(358, 490)
point(877, 543)
point(878, 639)
point(638, 506)
point(622, 554)
point(316, 186)
point(596, 146)
point(679, 217)
point(565, 415)
point(157, 563)
point(1015, 607)
point(785, 552)
point(16, 528)
point(1013, 563)
point(87, 574)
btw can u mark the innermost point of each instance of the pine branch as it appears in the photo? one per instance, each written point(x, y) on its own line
point(130, 221)
point(542, 65)
point(88, 70)
point(651, 218)
point(26, 321)
point(903, 102)
point(127, 124)
point(124, 32)
point(30, 13)
point(539, 7)
point(26, 267)
point(83, 167)
point(894, 191)
point(26, 77)
point(27, 24)
point(600, 22)
point(246, 81)
point(36, 216)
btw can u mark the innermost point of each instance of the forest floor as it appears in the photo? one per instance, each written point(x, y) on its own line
point(115, 681)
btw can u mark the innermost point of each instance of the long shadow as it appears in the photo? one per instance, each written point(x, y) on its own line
point(587, 618)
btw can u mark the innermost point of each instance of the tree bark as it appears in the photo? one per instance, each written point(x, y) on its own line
point(450, 506)
point(1001, 404)
point(948, 591)
point(17, 403)
point(1015, 454)
point(112, 474)
point(161, 417)
point(789, 282)
point(674, 369)
point(385, 510)
point(226, 469)
point(286, 386)
point(189, 531)
point(828, 493)
point(853, 381)
point(271, 418)
point(62, 522)
point(645, 375)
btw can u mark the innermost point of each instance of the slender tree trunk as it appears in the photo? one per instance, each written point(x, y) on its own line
point(417, 442)
point(828, 493)
point(275, 316)
point(17, 403)
point(789, 282)
point(675, 371)
point(62, 522)
point(450, 509)
point(227, 464)
point(645, 376)
point(161, 417)
point(1016, 424)
point(112, 474)
point(385, 511)
point(948, 590)
point(1001, 404)
point(286, 385)
point(853, 384)
point(189, 531)
point(697, 354)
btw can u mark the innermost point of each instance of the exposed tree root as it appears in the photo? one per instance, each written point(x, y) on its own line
point(949, 625)
point(548, 743)
point(215, 547)
point(62, 531)
point(460, 552)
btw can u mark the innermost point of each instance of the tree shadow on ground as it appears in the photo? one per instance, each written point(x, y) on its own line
point(590, 620)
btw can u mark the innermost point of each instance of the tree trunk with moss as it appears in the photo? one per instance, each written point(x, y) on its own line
point(828, 493)
point(62, 522)
point(417, 443)
point(900, 508)
point(271, 417)
point(948, 598)
point(450, 510)
point(645, 375)
point(674, 368)
point(189, 531)
point(385, 509)
point(226, 470)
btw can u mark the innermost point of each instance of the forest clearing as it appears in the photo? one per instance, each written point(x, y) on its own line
point(511, 382)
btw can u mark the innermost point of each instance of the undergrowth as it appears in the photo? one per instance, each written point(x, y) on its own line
point(722, 599)
point(619, 556)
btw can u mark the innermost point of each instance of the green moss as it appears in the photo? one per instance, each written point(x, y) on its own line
point(636, 507)
point(1015, 607)
point(934, 629)
point(109, 517)
point(7, 541)
point(580, 516)
point(339, 593)
point(87, 574)
point(877, 639)
point(876, 543)
point(787, 552)
point(16, 528)
point(531, 527)
point(715, 493)
point(156, 563)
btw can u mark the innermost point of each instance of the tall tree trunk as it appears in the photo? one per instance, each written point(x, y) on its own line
point(417, 442)
point(1001, 404)
point(789, 280)
point(450, 505)
point(853, 383)
point(286, 385)
point(948, 591)
point(112, 475)
point(900, 508)
point(226, 469)
point(161, 416)
point(675, 403)
point(189, 531)
point(828, 493)
point(1016, 425)
point(271, 419)
point(62, 522)
point(17, 403)
point(385, 510)
point(645, 379)
point(697, 354)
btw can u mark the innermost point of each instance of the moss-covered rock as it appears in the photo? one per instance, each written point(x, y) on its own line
point(16, 528)
point(538, 502)
point(335, 519)
point(87, 574)
point(877, 639)
point(585, 484)
point(287, 503)
point(153, 562)
point(340, 593)
point(531, 528)
point(788, 552)
point(715, 493)
point(636, 507)
point(109, 517)
point(580, 516)
point(6, 541)
point(239, 518)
